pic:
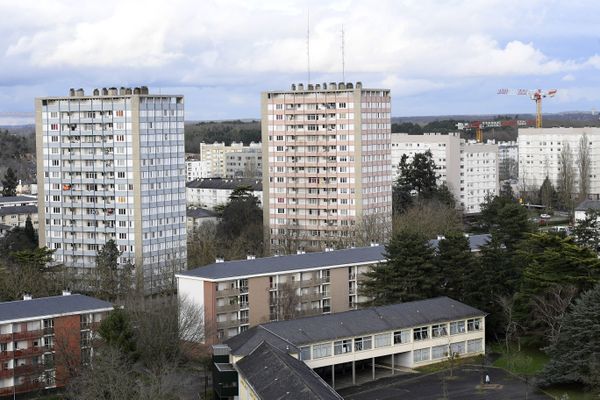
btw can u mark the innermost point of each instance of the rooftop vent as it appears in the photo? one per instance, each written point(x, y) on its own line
point(341, 85)
point(359, 85)
point(72, 92)
point(293, 87)
point(144, 90)
point(80, 92)
point(136, 90)
point(104, 91)
point(332, 85)
point(96, 92)
point(300, 86)
point(349, 86)
point(122, 91)
point(112, 91)
point(311, 86)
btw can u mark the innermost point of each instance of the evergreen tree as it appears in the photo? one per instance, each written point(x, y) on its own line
point(506, 220)
point(9, 183)
point(548, 195)
point(587, 231)
point(29, 231)
point(241, 223)
point(117, 332)
point(506, 191)
point(408, 274)
point(575, 358)
point(454, 261)
point(107, 270)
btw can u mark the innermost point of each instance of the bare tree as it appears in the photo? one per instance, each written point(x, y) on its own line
point(429, 219)
point(584, 164)
point(507, 304)
point(202, 246)
point(288, 302)
point(551, 307)
point(375, 228)
point(566, 177)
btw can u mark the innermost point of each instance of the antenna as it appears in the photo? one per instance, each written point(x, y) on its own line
point(343, 58)
point(308, 44)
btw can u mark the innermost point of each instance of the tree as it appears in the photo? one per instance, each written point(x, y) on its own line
point(9, 183)
point(29, 271)
point(550, 308)
point(584, 165)
point(506, 191)
point(506, 220)
point(548, 196)
point(453, 260)
point(566, 178)
point(288, 302)
point(575, 357)
point(113, 279)
point(587, 231)
point(407, 275)
point(29, 232)
point(117, 332)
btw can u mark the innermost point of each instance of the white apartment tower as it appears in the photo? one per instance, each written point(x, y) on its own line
point(539, 156)
point(111, 166)
point(469, 169)
point(326, 163)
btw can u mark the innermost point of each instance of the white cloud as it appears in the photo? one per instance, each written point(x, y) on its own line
point(568, 78)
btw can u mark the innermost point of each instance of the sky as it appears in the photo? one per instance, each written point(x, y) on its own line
point(437, 57)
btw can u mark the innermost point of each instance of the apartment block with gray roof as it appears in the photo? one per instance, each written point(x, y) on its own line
point(111, 166)
point(236, 295)
point(372, 342)
point(38, 336)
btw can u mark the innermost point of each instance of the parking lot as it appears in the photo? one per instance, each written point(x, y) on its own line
point(465, 385)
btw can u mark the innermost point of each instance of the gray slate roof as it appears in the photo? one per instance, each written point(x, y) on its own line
point(289, 335)
point(200, 213)
point(271, 265)
point(225, 183)
point(274, 374)
point(12, 199)
point(55, 305)
point(587, 204)
point(9, 210)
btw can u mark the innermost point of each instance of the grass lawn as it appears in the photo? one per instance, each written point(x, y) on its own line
point(427, 369)
point(574, 393)
point(527, 362)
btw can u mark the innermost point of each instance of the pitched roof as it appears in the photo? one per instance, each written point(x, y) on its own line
point(13, 199)
point(587, 204)
point(274, 375)
point(200, 213)
point(302, 331)
point(47, 306)
point(228, 183)
point(271, 265)
point(9, 210)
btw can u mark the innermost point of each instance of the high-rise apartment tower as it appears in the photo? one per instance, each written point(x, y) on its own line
point(111, 166)
point(326, 164)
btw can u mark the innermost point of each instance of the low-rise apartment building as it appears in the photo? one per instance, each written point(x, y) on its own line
point(211, 192)
point(236, 295)
point(217, 153)
point(196, 217)
point(469, 169)
point(39, 336)
point(375, 341)
point(196, 169)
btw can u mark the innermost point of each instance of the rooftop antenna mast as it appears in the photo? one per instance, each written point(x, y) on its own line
point(343, 57)
point(308, 44)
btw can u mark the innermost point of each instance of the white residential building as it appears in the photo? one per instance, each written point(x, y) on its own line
point(212, 192)
point(216, 155)
point(196, 169)
point(539, 156)
point(111, 166)
point(469, 169)
point(508, 160)
point(327, 162)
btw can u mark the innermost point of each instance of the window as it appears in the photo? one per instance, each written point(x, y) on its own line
point(474, 346)
point(438, 352)
point(363, 343)
point(383, 340)
point(474, 324)
point(401, 337)
point(421, 333)
point(457, 327)
point(305, 353)
point(321, 350)
point(457, 348)
point(439, 330)
point(119, 113)
point(421, 355)
point(342, 346)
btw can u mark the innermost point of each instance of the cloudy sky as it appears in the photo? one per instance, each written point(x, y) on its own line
point(438, 57)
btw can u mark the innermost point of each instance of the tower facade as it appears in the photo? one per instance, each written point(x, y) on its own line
point(111, 166)
point(327, 178)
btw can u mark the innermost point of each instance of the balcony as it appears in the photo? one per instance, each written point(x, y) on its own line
point(27, 369)
point(228, 323)
point(6, 338)
point(27, 335)
point(29, 351)
point(228, 292)
point(6, 373)
point(228, 307)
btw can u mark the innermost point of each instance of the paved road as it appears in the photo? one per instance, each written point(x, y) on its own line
point(465, 386)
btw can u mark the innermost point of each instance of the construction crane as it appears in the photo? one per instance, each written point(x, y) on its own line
point(536, 95)
point(479, 126)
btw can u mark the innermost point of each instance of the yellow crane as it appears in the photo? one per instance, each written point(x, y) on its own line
point(536, 95)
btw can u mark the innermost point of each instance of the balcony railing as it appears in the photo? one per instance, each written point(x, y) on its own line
point(27, 335)
point(29, 351)
point(228, 292)
point(7, 337)
point(228, 323)
point(228, 307)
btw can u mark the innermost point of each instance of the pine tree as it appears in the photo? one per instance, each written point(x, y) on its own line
point(9, 183)
point(454, 261)
point(587, 231)
point(107, 271)
point(408, 274)
point(575, 358)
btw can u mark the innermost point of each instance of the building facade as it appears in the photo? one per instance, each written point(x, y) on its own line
point(327, 163)
point(196, 169)
point(540, 152)
point(217, 153)
point(469, 169)
point(15, 210)
point(38, 336)
point(376, 342)
point(111, 166)
point(246, 163)
point(508, 160)
point(211, 192)
point(236, 295)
